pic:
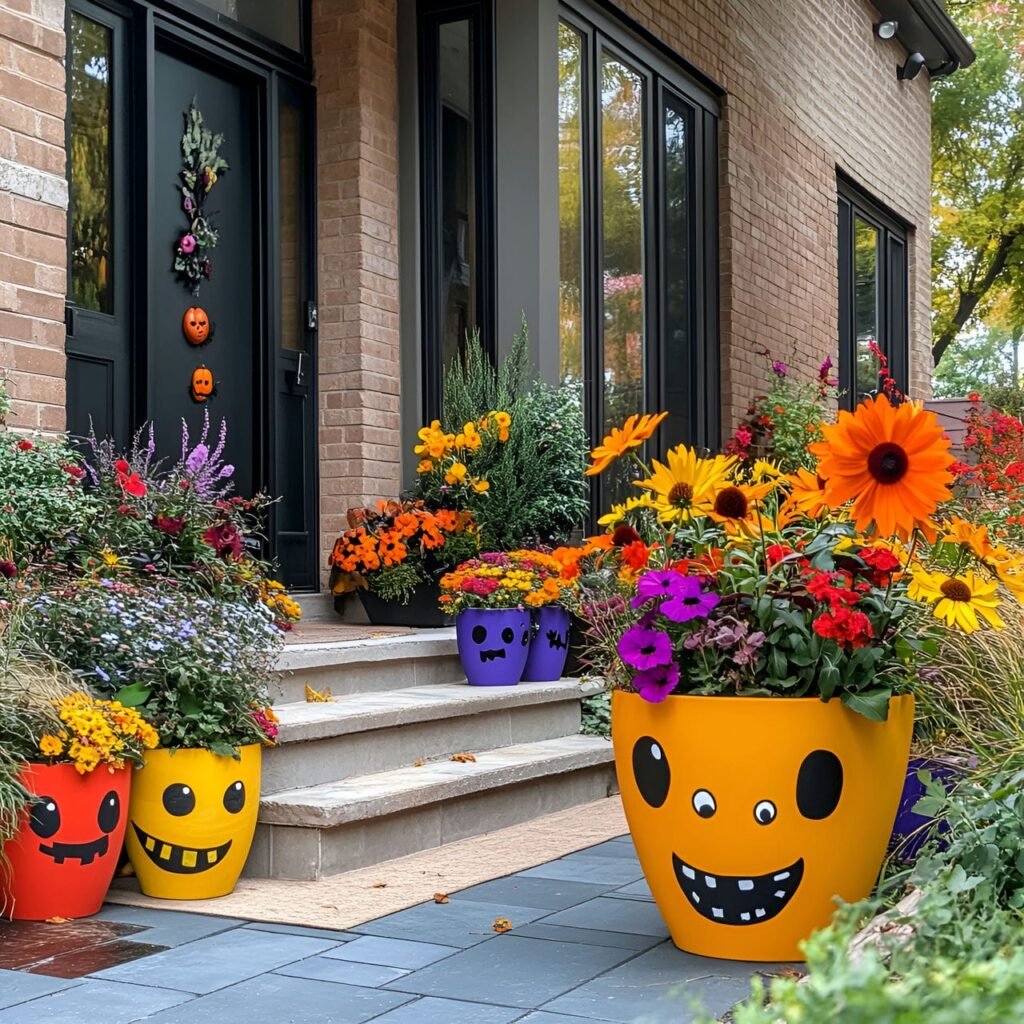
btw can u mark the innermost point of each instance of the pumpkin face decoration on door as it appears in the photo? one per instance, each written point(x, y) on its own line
point(750, 816)
point(191, 821)
point(63, 857)
point(202, 386)
point(196, 326)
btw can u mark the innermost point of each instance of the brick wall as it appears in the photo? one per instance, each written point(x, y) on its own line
point(33, 205)
point(809, 88)
point(355, 54)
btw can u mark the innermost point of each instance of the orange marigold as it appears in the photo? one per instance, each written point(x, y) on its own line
point(632, 434)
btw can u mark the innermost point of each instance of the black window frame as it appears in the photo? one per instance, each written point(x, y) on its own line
point(668, 80)
point(430, 16)
point(893, 287)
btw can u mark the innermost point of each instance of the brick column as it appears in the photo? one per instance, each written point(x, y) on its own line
point(355, 53)
point(33, 210)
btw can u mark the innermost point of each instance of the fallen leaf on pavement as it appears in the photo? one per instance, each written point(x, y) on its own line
point(440, 897)
point(502, 924)
point(464, 758)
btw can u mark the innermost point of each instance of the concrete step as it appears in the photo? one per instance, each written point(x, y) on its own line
point(373, 732)
point(372, 664)
point(338, 826)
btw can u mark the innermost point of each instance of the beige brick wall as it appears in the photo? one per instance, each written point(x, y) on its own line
point(355, 55)
point(809, 89)
point(33, 205)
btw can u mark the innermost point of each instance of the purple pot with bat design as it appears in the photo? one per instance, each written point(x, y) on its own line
point(493, 644)
point(550, 645)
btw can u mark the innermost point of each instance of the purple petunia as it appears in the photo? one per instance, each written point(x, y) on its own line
point(655, 684)
point(656, 584)
point(779, 368)
point(644, 648)
point(691, 601)
point(187, 244)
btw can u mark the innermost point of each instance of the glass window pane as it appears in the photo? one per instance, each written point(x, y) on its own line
point(458, 185)
point(865, 284)
point(280, 20)
point(570, 200)
point(678, 360)
point(90, 165)
point(292, 326)
point(622, 108)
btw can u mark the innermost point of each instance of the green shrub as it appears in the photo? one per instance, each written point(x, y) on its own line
point(537, 494)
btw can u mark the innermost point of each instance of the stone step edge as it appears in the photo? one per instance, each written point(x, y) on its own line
point(301, 722)
point(402, 789)
point(430, 643)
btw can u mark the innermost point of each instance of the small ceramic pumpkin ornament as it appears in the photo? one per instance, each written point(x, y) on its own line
point(202, 385)
point(196, 326)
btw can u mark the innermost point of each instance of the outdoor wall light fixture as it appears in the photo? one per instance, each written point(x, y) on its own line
point(886, 29)
point(912, 68)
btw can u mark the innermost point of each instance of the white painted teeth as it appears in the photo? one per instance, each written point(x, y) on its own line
point(719, 912)
point(781, 877)
point(710, 882)
point(744, 917)
point(694, 897)
point(780, 893)
point(689, 872)
point(759, 912)
point(745, 884)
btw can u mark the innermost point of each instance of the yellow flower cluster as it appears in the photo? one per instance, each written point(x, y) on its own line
point(97, 732)
point(448, 454)
point(276, 597)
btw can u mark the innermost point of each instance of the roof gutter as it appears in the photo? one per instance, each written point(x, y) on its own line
point(926, 28)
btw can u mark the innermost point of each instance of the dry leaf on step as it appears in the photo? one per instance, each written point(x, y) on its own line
point(440, 897)
point(317, 696)
point(418, 763)
point(379, 885)
point(502, 924)
point(464, 758)
point(58, 920)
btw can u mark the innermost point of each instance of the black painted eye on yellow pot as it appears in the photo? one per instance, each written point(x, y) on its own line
point(191, 821)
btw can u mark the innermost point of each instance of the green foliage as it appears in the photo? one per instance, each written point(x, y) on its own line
point(978, 177)
point(537, 490)
point(979, 360)
point(782, 422)
point(196, 667)
point(396, 582)
point(597, 715)
point(1008, 399)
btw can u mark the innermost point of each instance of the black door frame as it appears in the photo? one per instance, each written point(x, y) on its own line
point(149, 25)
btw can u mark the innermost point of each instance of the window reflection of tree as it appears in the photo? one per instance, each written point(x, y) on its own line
point(865, 262)
point(90, 165)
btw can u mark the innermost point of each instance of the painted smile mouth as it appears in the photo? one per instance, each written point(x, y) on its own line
point(180, 859)
point(555, 640)
point(84, 853)
point(733, 899)
point(491, 655)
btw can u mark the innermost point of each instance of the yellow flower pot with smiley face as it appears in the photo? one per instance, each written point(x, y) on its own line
point(751, 816)
point(191, 821)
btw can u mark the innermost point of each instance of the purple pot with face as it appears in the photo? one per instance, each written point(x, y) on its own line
point(550, 645)
point(493, 644)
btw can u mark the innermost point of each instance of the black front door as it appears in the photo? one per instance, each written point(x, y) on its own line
point(135, 71)
point(228, 298)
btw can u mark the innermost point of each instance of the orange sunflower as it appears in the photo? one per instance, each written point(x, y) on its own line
point(807, 493)
point(891, 461)
point(631, 434)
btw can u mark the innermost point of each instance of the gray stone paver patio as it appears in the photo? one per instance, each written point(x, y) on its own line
point(587, 946)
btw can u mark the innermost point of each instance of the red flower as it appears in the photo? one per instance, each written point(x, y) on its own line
point(124, 509)
point(171, 525)
point(8, 569)
point(848, 628)
point(882, 562)
point(776, 553)
point(26, 446)
point(974, 397)
point(624, 535)
point(635, 554)
point(225, 540)
point(822, 586)
point(76, 471)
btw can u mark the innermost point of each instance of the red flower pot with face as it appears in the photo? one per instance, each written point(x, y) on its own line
point(62, 859)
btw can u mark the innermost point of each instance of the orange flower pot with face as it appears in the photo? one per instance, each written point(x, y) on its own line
point(751, 816)
point(62, 859)
point(191, 821)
